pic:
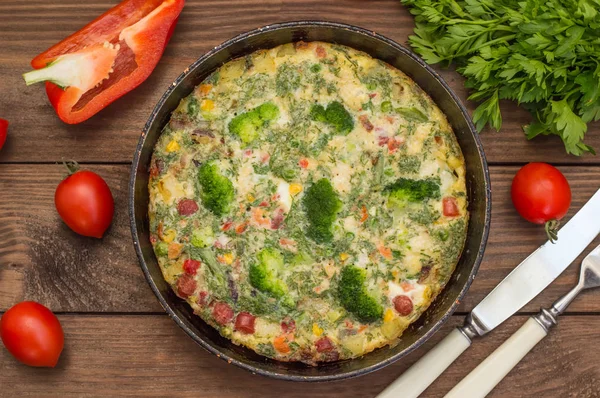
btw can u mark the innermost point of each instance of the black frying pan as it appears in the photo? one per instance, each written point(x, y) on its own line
point(478, 187)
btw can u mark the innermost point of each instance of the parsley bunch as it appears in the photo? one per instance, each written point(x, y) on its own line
point(544, 54)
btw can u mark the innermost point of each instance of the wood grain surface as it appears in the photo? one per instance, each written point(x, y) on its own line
point(28, 28)
point(118, 340)
point(149, 356)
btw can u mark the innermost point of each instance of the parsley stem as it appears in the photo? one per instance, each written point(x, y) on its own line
point(576, 90)
point(455, 21)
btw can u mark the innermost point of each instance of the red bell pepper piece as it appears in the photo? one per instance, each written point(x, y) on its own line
point(107, 58)
point(3, 131)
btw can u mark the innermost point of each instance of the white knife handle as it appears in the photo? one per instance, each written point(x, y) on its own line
point(490, 372)
point(424, 372)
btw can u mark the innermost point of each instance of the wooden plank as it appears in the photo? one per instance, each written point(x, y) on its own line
point(150, 356)
point(29, 28)
point(512, 239)
point(42, 260)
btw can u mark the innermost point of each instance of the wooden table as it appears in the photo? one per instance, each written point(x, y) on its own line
point(119, 342)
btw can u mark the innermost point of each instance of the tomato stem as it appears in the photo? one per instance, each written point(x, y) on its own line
point(551, 228)
point(72, 166)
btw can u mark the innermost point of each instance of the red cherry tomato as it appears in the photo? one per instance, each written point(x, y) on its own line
point(84, 202)
point(541, 194)
point(3, 131)
point(32, 334)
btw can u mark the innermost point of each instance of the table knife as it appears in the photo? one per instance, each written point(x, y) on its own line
point(490, 372)
point(525, 282)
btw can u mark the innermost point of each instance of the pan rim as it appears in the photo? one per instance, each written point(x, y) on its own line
point(282, 375)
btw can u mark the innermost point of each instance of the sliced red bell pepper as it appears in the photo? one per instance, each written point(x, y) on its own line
point(107, 58)
point(3, 131)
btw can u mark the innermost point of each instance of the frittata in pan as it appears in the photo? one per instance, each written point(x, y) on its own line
point(308, 201)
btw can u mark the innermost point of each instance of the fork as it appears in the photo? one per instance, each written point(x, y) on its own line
point(490, 372)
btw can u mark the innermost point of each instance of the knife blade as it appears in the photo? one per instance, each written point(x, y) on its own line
point(525, 282)
point(538, 270)
point(486, 376)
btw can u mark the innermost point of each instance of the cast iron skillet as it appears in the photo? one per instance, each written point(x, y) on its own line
point(478, 186)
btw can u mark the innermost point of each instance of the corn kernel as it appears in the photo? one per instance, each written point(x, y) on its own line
point(207, 105)
point(172, 146)
point(344, 256)
point(205, 89)
point(295, 189)
point(317, 331)
point(389, 315)
point(250, 197)
point(169, 235)
point(228, 258)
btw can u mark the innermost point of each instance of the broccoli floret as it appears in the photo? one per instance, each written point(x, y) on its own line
point(354, 296)
point(264, 275)
point(321, 204)
point(203, 237)
point(217, 191)
point(335, 114)
point(339, 117)
point(161, 249)
point(405, 190)
point(318, 113)
point(247, 125)
point(268, 111)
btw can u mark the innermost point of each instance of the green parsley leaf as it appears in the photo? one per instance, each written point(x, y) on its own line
point(541, 54)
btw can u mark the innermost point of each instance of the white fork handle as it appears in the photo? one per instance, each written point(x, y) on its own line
point(490, 372)
point(424, 372)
